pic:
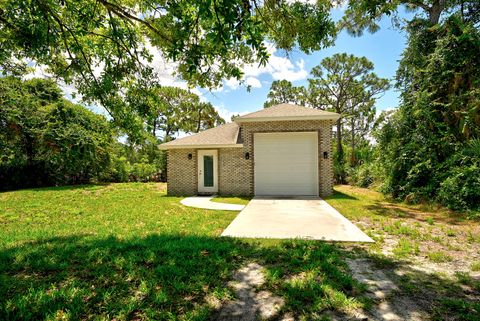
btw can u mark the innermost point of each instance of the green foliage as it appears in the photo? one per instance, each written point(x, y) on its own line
point(461, 189)
point(168, 110)
point(363, 15)
point(103, 48)
point(347, 85)
point(429, 146)
point(74, 143)
point(47, 140)
point(362, 175)
point(282, 91)
point(142, 172)
point(118, 171)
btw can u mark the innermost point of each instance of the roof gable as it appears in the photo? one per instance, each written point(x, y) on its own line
point(287, 112)
point(221, 136)
point(227, 135)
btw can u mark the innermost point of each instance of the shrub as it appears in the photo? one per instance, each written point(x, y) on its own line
point(461, 189)
point(362, 175)
point(143, 172)
point(118, 171)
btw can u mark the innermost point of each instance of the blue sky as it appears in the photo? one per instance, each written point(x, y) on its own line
point(383, 48)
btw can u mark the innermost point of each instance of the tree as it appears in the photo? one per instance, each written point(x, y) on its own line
point(282, 91)
point(103, 47)
point(365, 14)
point(172, 109)
point(47, 140)
point(346, 85)
point(429, 144)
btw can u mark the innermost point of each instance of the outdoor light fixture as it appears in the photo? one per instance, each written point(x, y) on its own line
point(189, 156)
point(325, 155)
point(247, 155)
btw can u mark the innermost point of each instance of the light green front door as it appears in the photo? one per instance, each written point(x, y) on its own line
point(207, 171)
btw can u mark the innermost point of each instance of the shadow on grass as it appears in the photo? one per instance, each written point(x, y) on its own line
point(172, 277)
point(156, 277)
point(80, 277)
point(438, 296)
point(336, 195)
point(397, 210)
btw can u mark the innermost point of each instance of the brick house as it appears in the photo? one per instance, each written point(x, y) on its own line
point(280, 150)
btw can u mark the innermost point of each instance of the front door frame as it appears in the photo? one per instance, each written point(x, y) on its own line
point(200, 171)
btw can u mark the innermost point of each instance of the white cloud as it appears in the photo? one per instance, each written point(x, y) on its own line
point(253, 82)
point(278, 67)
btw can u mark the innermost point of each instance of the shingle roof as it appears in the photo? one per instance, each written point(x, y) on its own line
point(287, 112)
point(228, 135)
point(221, 136)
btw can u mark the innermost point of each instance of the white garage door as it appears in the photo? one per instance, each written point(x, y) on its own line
point(286, 163)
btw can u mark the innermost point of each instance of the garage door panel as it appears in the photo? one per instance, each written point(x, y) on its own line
point(286, 163)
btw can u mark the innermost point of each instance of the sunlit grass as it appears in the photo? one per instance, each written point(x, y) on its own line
point(240, 200)
point(129, 251)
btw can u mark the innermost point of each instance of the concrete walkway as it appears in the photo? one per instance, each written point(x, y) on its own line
point(206, 203)
point(295, 217)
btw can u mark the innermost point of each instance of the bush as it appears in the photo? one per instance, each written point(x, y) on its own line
point(362, 175)
point(143, 172)
point(118, 171)
point(461, 189)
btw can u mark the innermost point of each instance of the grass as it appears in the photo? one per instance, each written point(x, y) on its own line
point(439, 257)
point(407, 234)
point(129, 251)
point(405, 248)
point(240, 200)
point(475, 266)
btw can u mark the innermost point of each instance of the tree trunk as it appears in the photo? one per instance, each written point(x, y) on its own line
point(353, 158)
point(340, 175)
point(339, 139)
point(435, 11)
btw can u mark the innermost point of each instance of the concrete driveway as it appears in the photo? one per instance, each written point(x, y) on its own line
point(296, 217)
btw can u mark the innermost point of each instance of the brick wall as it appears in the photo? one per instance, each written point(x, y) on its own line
point(233, 178)
point(235, 173)
point(182, 172)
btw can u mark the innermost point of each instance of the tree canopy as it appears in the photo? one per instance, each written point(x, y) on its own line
point(104, 47)
point(168, 110)
point(45, 139)
point(283, 91)
point(363, 15)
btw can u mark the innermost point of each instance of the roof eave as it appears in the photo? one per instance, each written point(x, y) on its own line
point(199, 146)
point(286, 118)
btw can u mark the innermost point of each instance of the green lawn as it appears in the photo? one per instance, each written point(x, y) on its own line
point(127, 251)
point(240, 200)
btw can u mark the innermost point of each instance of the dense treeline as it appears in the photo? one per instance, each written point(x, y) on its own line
point(47, 140)
point(430, 147)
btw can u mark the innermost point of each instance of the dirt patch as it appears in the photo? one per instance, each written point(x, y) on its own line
point(388, 303)
point(249, 303)
point(161, 187)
